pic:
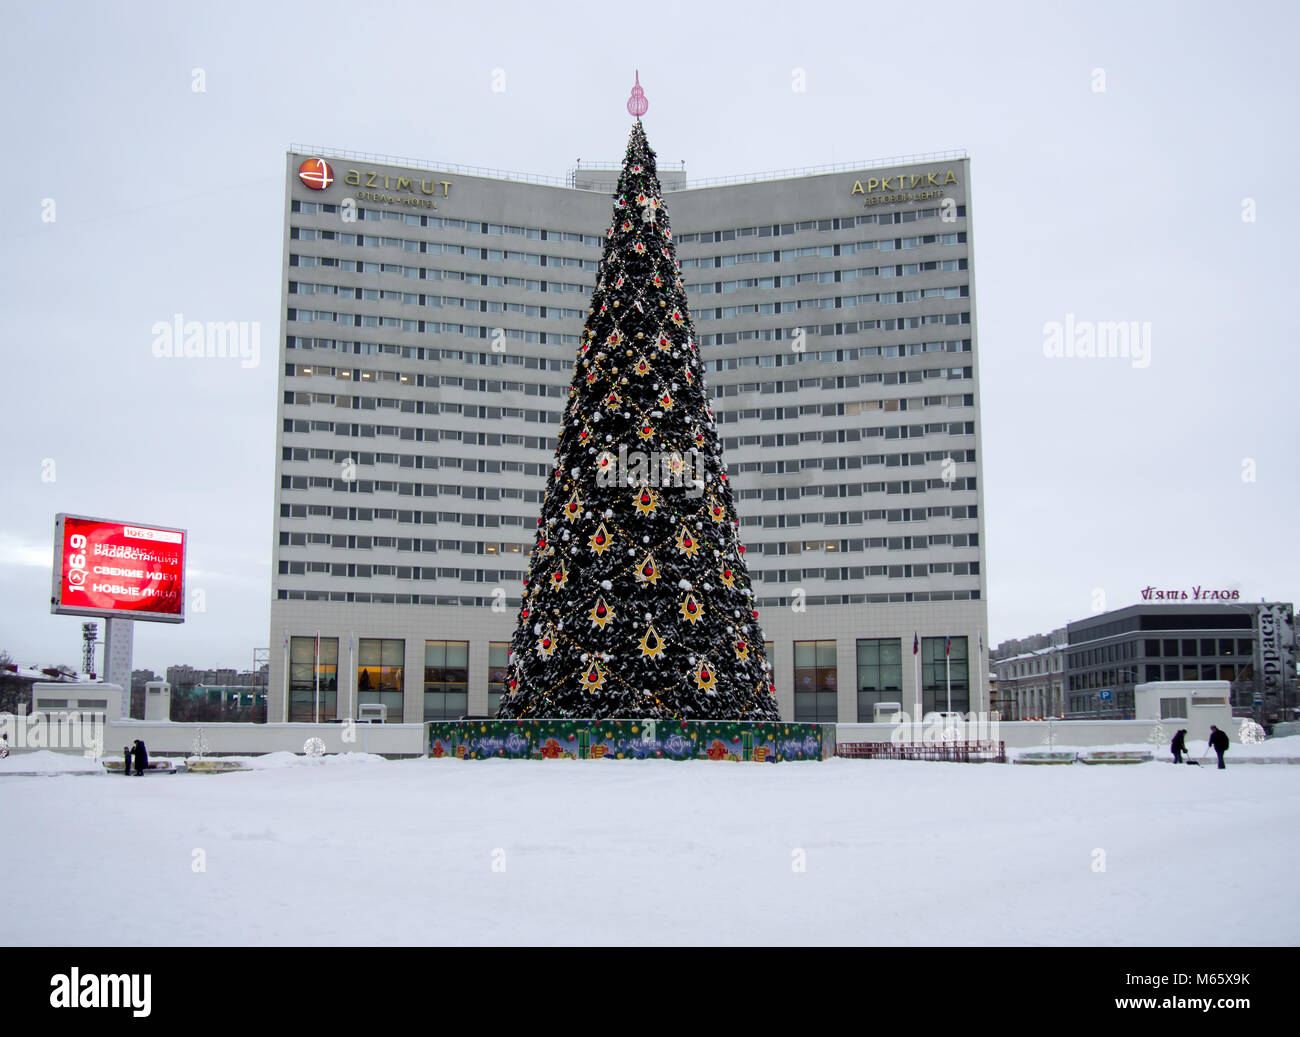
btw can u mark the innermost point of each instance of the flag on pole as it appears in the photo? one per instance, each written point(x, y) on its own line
point(916, 644)
point(947, 645)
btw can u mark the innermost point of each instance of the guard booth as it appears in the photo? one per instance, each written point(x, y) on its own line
point(886, 712)
point(1193, 705)
point(372, 713)
point(157, 700)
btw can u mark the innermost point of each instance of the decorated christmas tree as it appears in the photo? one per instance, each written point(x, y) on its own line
point(638, 602)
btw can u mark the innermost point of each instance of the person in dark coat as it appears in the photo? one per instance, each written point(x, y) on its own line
point(1219, 743)
point(126, 759)
point(1179, 745)
point(141, 757)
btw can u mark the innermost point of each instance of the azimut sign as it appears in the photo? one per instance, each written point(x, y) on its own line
point(408, 184)
point(416, 191)
point(316, 173)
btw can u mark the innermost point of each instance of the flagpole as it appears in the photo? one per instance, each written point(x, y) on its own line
point(316, 666)
point(947, 658)
point(916, 661)
point(286, 681)
point(352, 689)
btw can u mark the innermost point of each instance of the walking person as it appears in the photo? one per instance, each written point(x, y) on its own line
point(141, 757)
point(1219, 743)
point(1179, 745)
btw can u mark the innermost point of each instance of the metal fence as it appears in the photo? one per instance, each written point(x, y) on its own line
point(944, 752)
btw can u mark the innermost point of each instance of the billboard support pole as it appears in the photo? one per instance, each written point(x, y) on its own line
point(119, 648)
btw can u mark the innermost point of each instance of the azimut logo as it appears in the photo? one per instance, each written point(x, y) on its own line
point(316, 173)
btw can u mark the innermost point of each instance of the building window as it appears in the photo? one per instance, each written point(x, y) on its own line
point(936, 668)
point(446, 680)
point(815, 682)
point(1173, 709)
point(306, 664)
point(880, 675)
point(498, 656)
point(380, 662)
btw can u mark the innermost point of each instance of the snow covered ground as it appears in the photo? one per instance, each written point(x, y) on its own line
point(359, 850)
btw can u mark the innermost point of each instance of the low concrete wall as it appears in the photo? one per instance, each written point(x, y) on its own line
point(1024, 734)
point(165, 738)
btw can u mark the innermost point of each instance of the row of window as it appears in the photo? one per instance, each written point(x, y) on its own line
point(411, 489)
point(777, 281)
point(866, 572)
point(356, 376)
point(833, 302)
point(945, 677)
point(353, 513)
point(356, 542)
point(431, 574)
point(824, 224)
point(435, 248)
point(308, 208)
point(1101, 679)
point(411, 219)
point(430, 353)
point(381, 677)
point(430, 327)
point(847, 248)
point(480, 601)
point(777, 493)
point(839, 328)
point(492, 466)
point(785, 493)
point(847, 381)
point(436, 301)
point(367, 459)
point(839, 356)
point(856, 518)
point(359, 542)
point(467, 410)
point(434, 435)
point(1187, 647)
point(851, 435)
point(829, 464)
point(430, 273)
point(403, 515)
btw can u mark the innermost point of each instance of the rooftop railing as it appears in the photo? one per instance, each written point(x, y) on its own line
point(570, 180)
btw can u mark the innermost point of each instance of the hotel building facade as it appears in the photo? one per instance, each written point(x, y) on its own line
point(431, 317)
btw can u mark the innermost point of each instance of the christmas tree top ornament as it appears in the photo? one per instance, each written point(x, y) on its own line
point(637, 104)
point(638, 602)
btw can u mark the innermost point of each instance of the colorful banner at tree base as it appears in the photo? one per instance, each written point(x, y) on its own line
point(762, 742)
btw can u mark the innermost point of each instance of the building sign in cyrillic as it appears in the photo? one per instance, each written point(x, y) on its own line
point(903, 187)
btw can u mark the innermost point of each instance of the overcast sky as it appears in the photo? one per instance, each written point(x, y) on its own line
point(1129, 162)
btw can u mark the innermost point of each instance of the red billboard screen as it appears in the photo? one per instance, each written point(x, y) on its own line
point(126, 569)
